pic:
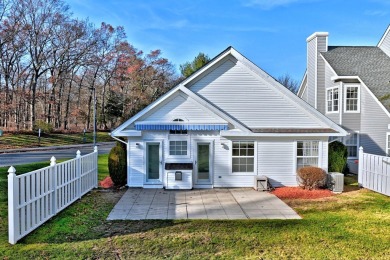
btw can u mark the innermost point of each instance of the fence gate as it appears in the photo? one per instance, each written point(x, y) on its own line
point(374, 172)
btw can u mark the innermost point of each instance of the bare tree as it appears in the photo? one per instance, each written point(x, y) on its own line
point(290, 83)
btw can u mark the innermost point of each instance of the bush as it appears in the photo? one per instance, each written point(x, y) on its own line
point(46, 128)
point(117, 164)
point(311, 177)
point(337, 157)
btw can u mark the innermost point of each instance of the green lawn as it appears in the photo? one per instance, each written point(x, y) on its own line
point(353, 225)
point(11, 141)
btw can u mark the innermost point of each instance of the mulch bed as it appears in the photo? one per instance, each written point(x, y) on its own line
point(299, 193)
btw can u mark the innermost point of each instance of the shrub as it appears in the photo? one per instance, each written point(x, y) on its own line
point(46, 128)
point(311, 177)
point(337, 157)
point(117, 164)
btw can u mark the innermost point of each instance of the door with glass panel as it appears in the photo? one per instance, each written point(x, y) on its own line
point(203, 163)
point(153, 162)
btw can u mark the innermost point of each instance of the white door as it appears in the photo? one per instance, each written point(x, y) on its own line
point(203, 163)
point(153, 162)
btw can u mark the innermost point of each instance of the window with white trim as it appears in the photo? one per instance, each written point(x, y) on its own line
point(332, 100)
point(351, 99)
point(178, 148)
point(243, 156)
point(307, 153)
point(388, 144)
point(351, 142)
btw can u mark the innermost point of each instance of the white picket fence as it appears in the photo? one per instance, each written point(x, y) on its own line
point(35, 197)
point(374, 172)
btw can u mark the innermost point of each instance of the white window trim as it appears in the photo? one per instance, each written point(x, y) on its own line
point(145, 158)
point(345, 98)
point(326, 100)
point(320, 147)
point(387, 143)
point(179, 137)
point(357, 145)
point(254, 159)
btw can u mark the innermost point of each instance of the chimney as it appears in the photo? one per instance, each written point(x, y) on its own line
point(316, 43)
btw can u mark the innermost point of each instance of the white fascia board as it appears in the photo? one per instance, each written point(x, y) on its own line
point(383, 37)
point(129, 133)
point(312, 112)
point(228, 133)
point(374, 97)
point(335, 78)
point(145, 110)
point(213, 62)
point(302, 87)
point(316, 34)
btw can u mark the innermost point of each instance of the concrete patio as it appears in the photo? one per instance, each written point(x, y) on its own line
point(227, 203)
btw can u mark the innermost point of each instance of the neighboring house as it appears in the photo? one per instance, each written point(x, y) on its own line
point(351, 86)
point(225, 124)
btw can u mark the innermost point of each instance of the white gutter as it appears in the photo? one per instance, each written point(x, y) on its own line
point(117, 139)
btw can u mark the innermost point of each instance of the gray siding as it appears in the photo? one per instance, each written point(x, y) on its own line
point(321, 47)
point(335, 117)
point(374, 125)
point(252, 101)
point(311, 71)
point(385, 44)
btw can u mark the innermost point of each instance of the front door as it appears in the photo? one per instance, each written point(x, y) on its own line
point(203, 163)
point(153, 162)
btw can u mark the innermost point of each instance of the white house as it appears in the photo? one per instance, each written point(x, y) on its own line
point(351, 86)
point(223, 126)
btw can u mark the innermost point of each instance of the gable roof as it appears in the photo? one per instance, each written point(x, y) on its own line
point(370, 64)
point(254, 70)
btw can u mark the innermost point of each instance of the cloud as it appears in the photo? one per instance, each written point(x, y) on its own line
point(269, 4)
point(375, 12)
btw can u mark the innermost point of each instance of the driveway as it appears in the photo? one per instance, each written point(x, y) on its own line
point(224, 203)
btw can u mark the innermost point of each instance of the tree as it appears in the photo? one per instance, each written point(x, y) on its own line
point(188, 68)
point(290, 83)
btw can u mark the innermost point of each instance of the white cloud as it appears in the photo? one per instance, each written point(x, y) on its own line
point(376, 12)
point(269, 4)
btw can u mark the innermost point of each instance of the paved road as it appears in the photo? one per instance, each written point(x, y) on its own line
point(9, 159)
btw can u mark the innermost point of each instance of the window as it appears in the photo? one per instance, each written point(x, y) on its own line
point(332, 100)
point(177, 147)
point(351, 103)
point(178, 132)
point(243, 157)
point(307, 153)
point(351, 142)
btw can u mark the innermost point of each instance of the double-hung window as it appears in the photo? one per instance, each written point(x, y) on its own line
point(243, 156)
point(332, 100)
point(351, 98)
point(307, 153)
point(388, 144)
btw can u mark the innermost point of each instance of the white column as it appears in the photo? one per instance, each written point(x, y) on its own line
point(360, 170)
point(13, 203)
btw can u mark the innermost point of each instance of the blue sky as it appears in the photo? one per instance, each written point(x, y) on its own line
point(271, 33)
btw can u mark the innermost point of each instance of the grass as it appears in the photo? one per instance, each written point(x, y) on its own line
point(353, 225)
point(26, 140)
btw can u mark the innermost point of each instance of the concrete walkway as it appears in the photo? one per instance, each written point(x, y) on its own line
point(227, 203)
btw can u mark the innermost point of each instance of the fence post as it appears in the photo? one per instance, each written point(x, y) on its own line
point(95, 150)
point(360, 165)
point(53, 175)
point(13, 203)
point(78, 172)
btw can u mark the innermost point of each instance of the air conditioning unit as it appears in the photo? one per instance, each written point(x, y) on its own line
point(336, 182)
point(261, 183)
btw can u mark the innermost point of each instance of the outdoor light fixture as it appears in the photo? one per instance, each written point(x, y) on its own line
point(137, 145)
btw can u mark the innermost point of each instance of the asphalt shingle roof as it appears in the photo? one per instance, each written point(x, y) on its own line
point(371, 64)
